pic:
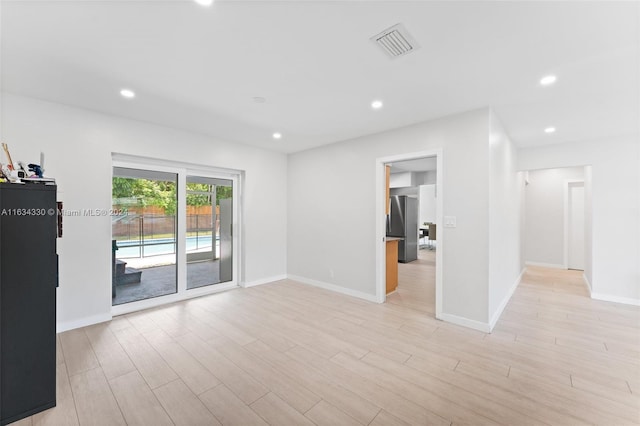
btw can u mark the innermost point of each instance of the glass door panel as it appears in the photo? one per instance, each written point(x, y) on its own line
point(144, 235)
point(209, 255)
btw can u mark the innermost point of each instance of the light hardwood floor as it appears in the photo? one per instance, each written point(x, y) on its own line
point(416, 284)
point(290, 354)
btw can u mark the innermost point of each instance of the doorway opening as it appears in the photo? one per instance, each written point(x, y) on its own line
point(409, 213)
point(557, 219)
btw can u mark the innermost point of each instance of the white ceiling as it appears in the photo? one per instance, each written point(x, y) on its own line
point(199, 68)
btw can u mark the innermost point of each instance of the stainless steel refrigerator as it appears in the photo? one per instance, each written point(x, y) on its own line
point(403, 222)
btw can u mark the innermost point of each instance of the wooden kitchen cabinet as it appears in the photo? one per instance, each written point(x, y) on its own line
point(392, 265)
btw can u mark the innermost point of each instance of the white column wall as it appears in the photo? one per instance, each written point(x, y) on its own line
point(504, 219)
point(544, 215)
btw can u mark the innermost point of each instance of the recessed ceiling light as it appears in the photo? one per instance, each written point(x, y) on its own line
point(259, 99)
point(550, 130)
point(204, 2)
point(277, 135)
point(126, 93)
point(376, 104)
point(547, 80)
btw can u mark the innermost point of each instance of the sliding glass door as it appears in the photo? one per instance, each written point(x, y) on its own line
point(209, 244)
point(172, 235)
point(144, 235)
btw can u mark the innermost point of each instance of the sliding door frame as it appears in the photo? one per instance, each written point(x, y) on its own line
point(182, 170)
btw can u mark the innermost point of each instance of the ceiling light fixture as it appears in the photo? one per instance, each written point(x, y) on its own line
point(550, 130)
point(205, 3)
point(376, 104)
point(548, 80)
point(277, 135)
point(259, 99)
point(127, 93)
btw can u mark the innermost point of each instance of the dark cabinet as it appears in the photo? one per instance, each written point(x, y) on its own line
point(28, 279)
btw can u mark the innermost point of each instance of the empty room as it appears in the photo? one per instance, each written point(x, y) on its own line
point(237, 212)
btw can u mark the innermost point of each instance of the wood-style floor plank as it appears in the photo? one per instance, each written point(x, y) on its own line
point(290, 391)
point(277, 412)
point(325, 414)
point(110, 354)
point(149, 363)
point(289, 354)
point(189, 369)
point(95, 403)
point(229, 409)
point(239, 381)
point(78, 353)
point(317, 382)
point(137, 401)
point(183, 406)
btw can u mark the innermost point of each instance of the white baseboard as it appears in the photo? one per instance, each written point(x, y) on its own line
point(587, 283)
point(616, 299)
point(545, 265)
point(336, 288)
point(466, 322)
point(496, 315)
point(82, 322)
point(262, 281)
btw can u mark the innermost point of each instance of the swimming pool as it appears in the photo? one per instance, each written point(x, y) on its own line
point(159, 246)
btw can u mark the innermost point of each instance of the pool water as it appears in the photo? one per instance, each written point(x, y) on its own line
point(160, 246)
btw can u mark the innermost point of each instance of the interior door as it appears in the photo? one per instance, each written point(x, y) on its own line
point(576, 226)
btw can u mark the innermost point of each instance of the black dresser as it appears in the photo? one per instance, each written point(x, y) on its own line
point(28, 280)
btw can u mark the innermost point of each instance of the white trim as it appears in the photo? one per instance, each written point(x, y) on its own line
point(545, 265)
point(153, 302)
point(465, 322)
point(262, 281)
point(615, 299)
point(586, 282)
point(380, 223)
point(567, 184)
point(498, 313)
point(82, 322)
point(119, 158)
point(336, 288)
point(380, 233)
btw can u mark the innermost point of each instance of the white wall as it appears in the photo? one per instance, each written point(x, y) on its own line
point(410, 191)
point(426, 178)
point(615, 199)
point(544, 215)
point(402, 180)
point(427, 203)
point(505, 185)
point(78, 146)
point(332, 221)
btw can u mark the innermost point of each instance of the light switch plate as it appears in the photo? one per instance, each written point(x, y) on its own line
point(449, 221)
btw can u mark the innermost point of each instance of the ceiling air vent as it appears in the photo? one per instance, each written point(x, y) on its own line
point(395, 41)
